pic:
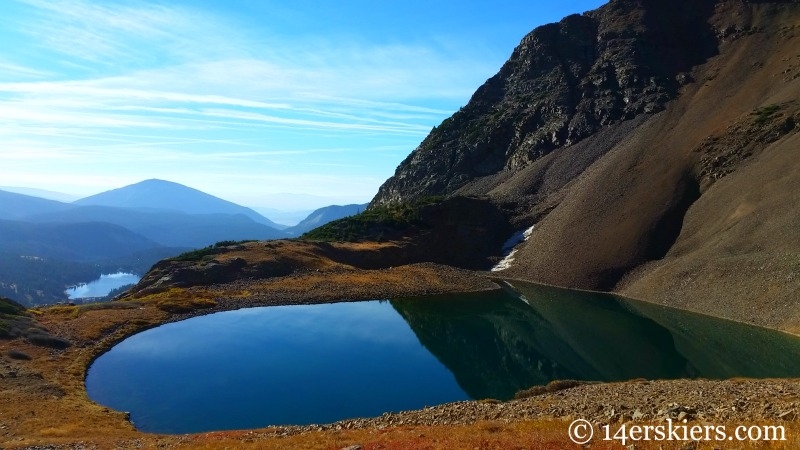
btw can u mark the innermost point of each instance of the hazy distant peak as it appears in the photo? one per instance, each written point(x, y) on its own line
point(324, 215)
point(168, 195)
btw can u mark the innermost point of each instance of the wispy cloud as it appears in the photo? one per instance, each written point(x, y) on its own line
point(134, 84)
point(13, 71)
point(105, 33)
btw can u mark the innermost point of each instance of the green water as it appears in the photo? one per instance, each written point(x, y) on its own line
point(528, 335)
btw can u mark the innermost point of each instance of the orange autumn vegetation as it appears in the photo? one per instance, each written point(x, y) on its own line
point(529, 435)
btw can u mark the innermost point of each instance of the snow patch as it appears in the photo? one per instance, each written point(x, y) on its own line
point(508, 248)
point(505, 263)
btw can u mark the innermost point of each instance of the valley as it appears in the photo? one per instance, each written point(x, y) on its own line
point(47, 246)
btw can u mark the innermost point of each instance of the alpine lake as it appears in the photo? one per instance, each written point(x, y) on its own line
point(102, 286)
point(306, 364)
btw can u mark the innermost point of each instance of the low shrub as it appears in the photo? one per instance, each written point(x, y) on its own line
point(43, 339)
point(15, 322)
point(230, 243)
point(195, 254)
point(10, 307)
point(15, 326)
point(765, 114)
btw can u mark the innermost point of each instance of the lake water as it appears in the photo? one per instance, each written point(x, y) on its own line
point(103, 285)
point(321, 363)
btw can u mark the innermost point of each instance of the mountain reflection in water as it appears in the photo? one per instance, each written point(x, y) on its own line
point(499, 342)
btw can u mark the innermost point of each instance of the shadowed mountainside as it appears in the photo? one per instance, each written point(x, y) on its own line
point(86, 241)
point(168, 228)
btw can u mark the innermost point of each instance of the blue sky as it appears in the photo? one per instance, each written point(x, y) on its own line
point(244, 99)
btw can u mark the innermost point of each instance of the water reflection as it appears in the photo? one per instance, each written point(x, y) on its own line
point(500, 342)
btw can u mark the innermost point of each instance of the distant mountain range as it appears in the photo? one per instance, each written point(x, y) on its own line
point(15, 206)
point(324, 215)
point(169, 214)
point(168, 227)
point(128, 228)
point(41, 193)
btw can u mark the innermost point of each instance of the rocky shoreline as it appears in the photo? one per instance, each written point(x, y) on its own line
point(699, 401)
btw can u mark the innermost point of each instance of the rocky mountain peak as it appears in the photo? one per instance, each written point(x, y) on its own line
point(564, 82)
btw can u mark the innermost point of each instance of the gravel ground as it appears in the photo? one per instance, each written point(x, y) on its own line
point(743, 402)
point(701, 401)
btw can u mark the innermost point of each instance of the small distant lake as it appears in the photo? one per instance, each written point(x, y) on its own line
point(103, 285)
point(321, 363)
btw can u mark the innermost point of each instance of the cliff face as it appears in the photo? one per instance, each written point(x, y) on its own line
point(563, 83)
point(653, 145)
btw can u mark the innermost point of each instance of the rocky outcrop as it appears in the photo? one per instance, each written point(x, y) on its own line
point(563, 83)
